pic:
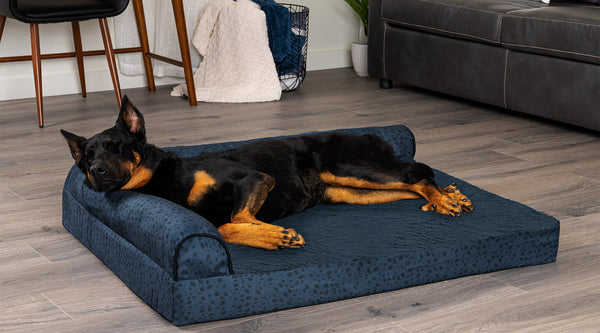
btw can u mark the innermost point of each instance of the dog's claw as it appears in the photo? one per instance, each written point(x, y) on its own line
point(291, 239)
point(468, 208)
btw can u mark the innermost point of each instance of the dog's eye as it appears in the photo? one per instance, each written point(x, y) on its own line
point(111, 146)
point(108, 143)
point(89, 153)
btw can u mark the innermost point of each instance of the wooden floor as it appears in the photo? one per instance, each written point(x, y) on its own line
point(49, 282)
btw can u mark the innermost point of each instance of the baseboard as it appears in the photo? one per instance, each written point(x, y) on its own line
point(20, 85)
point(328, 59)
point(66, 83)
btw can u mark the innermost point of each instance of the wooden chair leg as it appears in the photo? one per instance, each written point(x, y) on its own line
point(79, 56)
point(110, 57)
point(36, 59)
point(185, 50)
point(140, 20)
point(2, 21)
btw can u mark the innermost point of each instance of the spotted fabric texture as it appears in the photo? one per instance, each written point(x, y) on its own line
point(170, 235)
point(177, 262)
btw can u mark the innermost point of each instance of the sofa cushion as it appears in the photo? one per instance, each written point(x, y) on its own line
point(468, 19)
point(571, 32)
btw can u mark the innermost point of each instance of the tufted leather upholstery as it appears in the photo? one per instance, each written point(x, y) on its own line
point(478, 20)
point(571, 32)
point(522, 55)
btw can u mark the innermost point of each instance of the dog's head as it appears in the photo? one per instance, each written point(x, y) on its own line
point(112, 159)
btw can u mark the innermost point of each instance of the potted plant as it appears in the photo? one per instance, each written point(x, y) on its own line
point(360, 47)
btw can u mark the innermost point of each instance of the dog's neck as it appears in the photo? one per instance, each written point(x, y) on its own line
point(156, 172)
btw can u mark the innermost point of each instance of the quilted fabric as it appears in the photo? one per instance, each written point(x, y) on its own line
point(177, 262)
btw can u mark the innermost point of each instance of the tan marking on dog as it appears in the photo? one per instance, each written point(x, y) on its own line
point(140, 175)
point(244, 216)
point(443, 201)
point(261, 235)
point(202, 184)
point(366, 197)
point(331, 179)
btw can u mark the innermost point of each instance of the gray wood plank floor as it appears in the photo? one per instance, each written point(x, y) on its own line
point(49, 282)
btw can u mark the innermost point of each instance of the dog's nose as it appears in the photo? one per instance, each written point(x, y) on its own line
point(97, 170)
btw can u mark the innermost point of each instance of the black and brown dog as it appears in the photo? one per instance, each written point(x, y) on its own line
point(241, 188)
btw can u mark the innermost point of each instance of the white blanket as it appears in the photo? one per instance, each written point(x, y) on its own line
point(237, 65)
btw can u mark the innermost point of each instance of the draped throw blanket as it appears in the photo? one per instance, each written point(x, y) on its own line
point(278, 28)
point(237, 65)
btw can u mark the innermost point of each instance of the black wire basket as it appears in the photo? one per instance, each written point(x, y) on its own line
point(292, 69)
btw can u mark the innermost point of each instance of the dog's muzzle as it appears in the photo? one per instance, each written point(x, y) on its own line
point(101, 179)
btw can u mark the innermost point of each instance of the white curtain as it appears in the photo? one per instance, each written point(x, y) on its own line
point(162, 36)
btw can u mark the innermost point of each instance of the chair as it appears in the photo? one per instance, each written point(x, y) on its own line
point(37, 12)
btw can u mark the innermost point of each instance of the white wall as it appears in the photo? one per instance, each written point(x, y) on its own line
point(332, 28)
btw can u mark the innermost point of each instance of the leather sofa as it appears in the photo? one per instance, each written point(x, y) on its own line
point(522, 55)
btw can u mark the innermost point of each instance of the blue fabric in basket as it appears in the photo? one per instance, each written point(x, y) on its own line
point(177, 262)
point(278, 28)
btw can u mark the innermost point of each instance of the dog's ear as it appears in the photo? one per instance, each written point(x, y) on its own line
point(131, 119)
point(75, 143)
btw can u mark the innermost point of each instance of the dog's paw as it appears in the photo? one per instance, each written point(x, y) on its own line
point(274, 237)
point(465, 204)
point(291, 239)
point(450, 202)
point(261, 235)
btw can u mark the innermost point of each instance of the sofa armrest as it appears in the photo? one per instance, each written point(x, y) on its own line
point(376, 40)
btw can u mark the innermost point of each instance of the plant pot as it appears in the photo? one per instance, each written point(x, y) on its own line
point(359, 58)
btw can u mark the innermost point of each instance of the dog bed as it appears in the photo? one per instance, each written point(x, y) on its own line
point(178, 263)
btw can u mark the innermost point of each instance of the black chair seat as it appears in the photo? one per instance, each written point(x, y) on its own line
point(52, 11)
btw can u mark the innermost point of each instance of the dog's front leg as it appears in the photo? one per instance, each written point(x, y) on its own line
point(261, 235)
point(250, 194)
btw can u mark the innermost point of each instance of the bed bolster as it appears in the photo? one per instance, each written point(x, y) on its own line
point(181, 242)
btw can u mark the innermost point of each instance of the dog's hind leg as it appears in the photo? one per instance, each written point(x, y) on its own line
point(362, 196)
point(348, 183)
point(250, 194)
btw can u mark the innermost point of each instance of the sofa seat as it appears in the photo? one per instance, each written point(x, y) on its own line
point(479, 20)
point(563, 32)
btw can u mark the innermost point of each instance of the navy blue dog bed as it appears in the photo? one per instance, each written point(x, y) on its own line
point(177, 262)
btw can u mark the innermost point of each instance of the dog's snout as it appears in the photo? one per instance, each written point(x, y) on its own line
point(97, 170)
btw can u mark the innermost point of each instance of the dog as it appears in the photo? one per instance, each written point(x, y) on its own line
point(242, 189)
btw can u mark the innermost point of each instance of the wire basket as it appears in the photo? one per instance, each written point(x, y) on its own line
point(292, 69)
